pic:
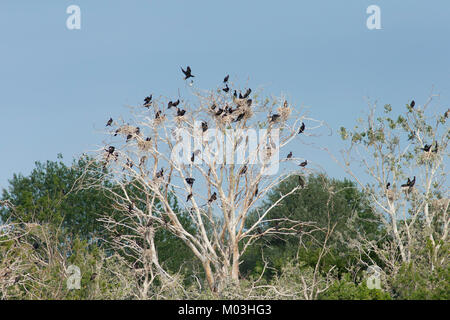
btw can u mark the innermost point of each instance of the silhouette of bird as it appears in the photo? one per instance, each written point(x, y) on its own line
point(111, 149)
point(173, 104)
point(189, 197)
point(249, 102)
point(117, 131)
point(193, 157)
point(129, 137)
point(285, 104)
point(109, 123)
point(213, 197)
point(256, 192)
point(158, 114)
point(225, 80)
point(235, 94)
point(226, 89)
point(137, 131)
point(148, 101)
point(130, 207)
point(187, 73)
point(180, 112)
point(447, 114)
point(247, 93)
point(219, 112)
point(239, 118)
point(35, 246)
point(148, 139)
point(388, 185)
point(413, 182)
point(302, 128)
point(274, 117)
point(289, 155)
point(204, 126)
point(412, 104)
point(213, 106)
point(426, 147)
point(304, 163)
point(190, 181)
point(243, 170)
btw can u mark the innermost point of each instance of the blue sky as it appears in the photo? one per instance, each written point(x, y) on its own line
point(59, 86)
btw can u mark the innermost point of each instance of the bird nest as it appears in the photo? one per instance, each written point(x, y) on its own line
point(127, 130)
point(284, 113)
point(144, 145)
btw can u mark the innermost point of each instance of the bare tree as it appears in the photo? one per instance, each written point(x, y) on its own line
point(405, 178)
point(210, 162)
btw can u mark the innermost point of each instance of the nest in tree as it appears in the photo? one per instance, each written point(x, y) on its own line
point(284, 112)
point(144, 145)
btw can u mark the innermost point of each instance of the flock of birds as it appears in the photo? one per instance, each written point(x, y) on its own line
point(241, 99)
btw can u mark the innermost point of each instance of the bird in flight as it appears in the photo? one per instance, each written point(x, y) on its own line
point(302, 128)
point(109, 123)
point(187, 73)
point(173, 104)
point(225, 80)
point(303, 164)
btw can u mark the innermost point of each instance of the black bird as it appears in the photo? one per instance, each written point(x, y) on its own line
point(301, 182)
point(148, 139)
point(190, 181)
point(137, 131)
point(109, 123)
point(219, 112)
point(187, 73)
point(130, 207)
point(256, 191)
point(247, 93)
point(129, 137)
point(235, 94)
point(239, 118)
point(426, 147)
point(413, 182)
point(189, 197)
point(180, 112)
point(447, 113)
point(35, 246)
point(111, 149)
point(176, 103)
point(304, 163)
point(213, 197)
point(226, 89)
point(388, 185)
point(412, 104)
point(436, 148)
point(117, 131)
point(213, 106)
point(204, 126)
point(148, 101)
point(302, 128)
point(274, 117)
point(241, 96)
point(225, 80)
point(289, 155)
point(193, 157)
point(158, 114)
point(243, 170)
point(249, 102)
point(160, 173)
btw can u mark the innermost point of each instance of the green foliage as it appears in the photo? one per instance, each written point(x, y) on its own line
point(345, 289)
